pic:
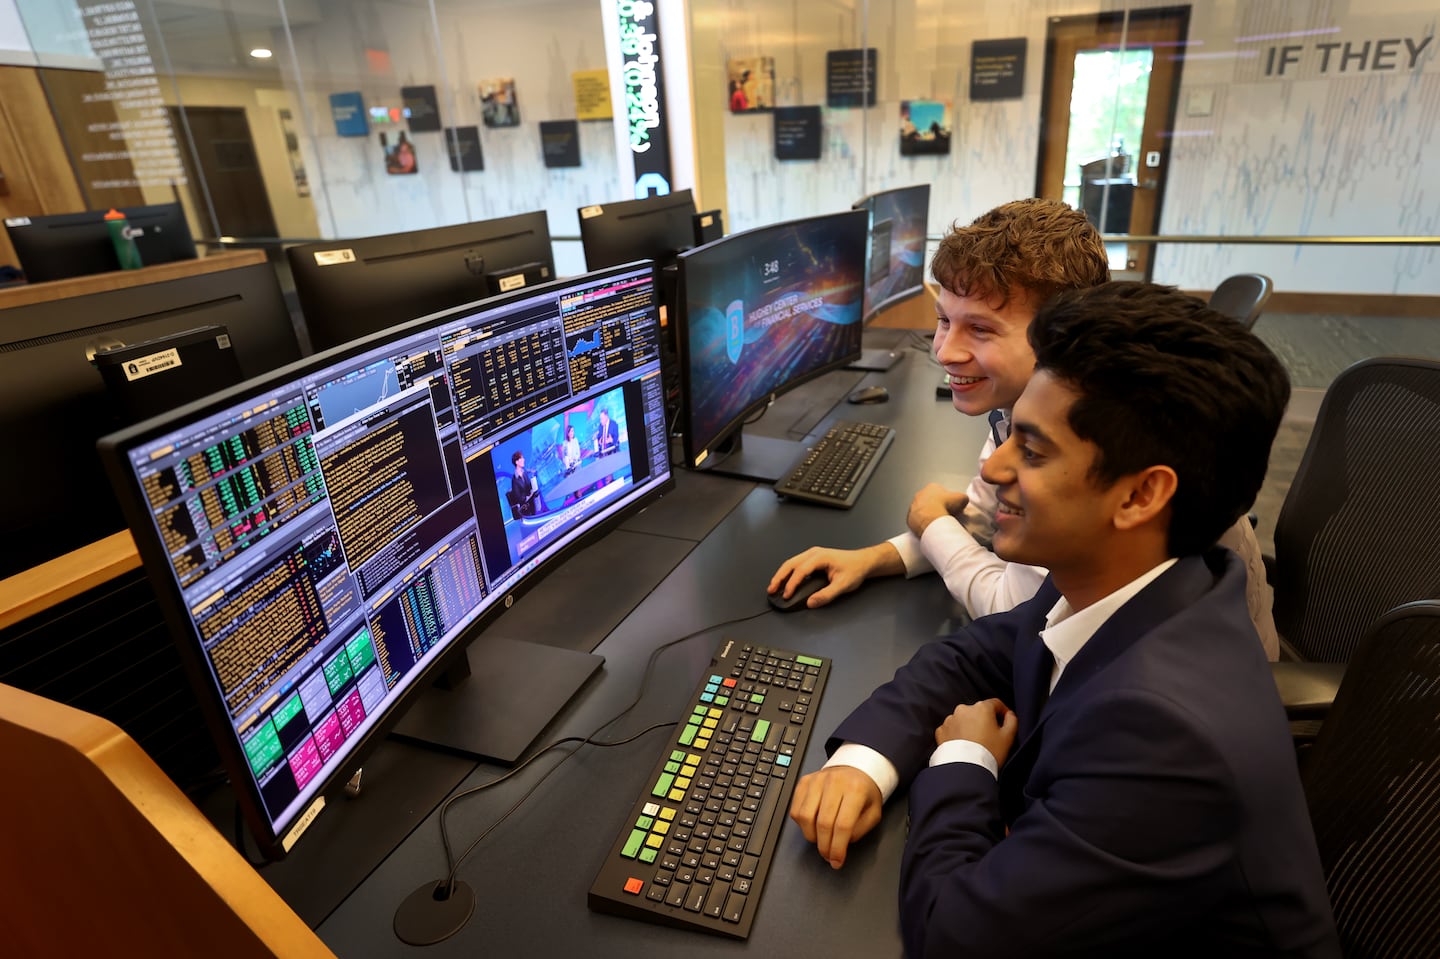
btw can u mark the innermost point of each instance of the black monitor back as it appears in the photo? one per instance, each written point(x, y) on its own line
point(709, 226)
point(351, 288)
point(154, 376)
point(656, 228)
point(76, 244)
point(54, 404)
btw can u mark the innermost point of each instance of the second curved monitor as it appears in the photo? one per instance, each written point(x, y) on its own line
point(762, 312)
point(895, 258)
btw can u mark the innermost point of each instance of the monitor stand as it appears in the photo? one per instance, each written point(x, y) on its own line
point(876, 359)
point(496, 702)
point(761, 458)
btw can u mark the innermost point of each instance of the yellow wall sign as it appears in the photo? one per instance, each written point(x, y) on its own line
point(592, 94)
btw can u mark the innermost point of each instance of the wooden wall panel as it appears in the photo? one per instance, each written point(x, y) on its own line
point(75, 118)
point(38, 175)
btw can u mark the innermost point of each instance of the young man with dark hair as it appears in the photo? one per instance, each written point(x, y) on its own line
point(1106, 769)
point(993, 275)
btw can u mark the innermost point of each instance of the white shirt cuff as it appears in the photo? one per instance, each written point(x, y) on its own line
point(908, 546)
point(963, 751)
point(869, 762)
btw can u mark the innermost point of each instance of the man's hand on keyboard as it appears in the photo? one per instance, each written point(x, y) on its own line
point(834, 807)
point(845, 568)
point(932, 502)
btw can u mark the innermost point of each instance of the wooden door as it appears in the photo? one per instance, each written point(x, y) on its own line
point(1135, 186)
point(229, 169)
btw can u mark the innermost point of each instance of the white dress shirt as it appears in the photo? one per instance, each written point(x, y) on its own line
point(1066, 632)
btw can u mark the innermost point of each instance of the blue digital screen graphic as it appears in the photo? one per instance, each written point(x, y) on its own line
point(765, 310)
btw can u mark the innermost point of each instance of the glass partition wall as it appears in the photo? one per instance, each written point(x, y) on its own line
point(1300, 140)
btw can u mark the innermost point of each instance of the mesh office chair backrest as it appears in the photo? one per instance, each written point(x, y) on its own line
point(1359, 531)
point(1372, 781)
point(1242, 297)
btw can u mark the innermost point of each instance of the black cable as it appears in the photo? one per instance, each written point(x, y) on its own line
point(454, 863)
point(765, 409)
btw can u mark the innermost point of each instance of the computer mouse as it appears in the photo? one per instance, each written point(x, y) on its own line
point(807, 588)
point(870, 394)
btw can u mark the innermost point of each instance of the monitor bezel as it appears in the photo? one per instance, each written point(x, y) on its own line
point(697, 453)
point(866, 203)
point(274, 843)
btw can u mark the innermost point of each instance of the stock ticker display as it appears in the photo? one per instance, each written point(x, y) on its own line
point(332, 532)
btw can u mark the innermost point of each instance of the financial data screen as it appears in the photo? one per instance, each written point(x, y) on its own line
point(333, 533)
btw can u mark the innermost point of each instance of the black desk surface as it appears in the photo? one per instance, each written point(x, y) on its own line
point(532, 873)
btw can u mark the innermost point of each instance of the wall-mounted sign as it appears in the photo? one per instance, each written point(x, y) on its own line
point(850, 78)
point(997, 69)
point(348, 109)
point(797, 133)
point(422, 109)
point(644, 97)
point(592, 94)
point(463, 146)
point(560, 142)
point(1347, 56)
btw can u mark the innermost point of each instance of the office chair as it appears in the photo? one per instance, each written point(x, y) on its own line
point(1359, 531)
point(1372, 782)
point(1242, 297)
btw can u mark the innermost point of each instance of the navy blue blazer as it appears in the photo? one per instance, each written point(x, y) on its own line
point(1151, 804)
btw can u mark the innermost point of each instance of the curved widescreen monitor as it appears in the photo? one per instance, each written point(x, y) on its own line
point(895, 256)
point(76, 244)
point(654, 228)
point(350, 288)
point(325, 537)
point(762, 312)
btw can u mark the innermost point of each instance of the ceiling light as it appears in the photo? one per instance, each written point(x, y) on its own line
point(261, 53)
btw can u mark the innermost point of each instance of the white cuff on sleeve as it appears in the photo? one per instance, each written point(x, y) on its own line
point(908, 546)
point(964, 751)
point(869, 762)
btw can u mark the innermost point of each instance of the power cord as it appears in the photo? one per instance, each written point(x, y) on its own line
point(763, 410)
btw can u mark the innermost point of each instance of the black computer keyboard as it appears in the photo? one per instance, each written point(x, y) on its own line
point(696, 848)
point(835, 470)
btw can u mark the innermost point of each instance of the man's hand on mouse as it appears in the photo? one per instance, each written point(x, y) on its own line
point(932, 502)
point(845, 568)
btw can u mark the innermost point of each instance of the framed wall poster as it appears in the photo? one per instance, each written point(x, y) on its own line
point(752, 84)
point(399, 156)
point(498, 107)
point(925, 127)
point(560, 142)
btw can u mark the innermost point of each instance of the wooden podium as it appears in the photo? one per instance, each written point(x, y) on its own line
point(101, 854)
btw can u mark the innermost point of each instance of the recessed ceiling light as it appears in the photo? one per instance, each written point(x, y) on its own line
point(261, 53)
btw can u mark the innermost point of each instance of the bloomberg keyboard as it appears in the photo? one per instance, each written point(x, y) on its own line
point(835, 470)
point(696, 848)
